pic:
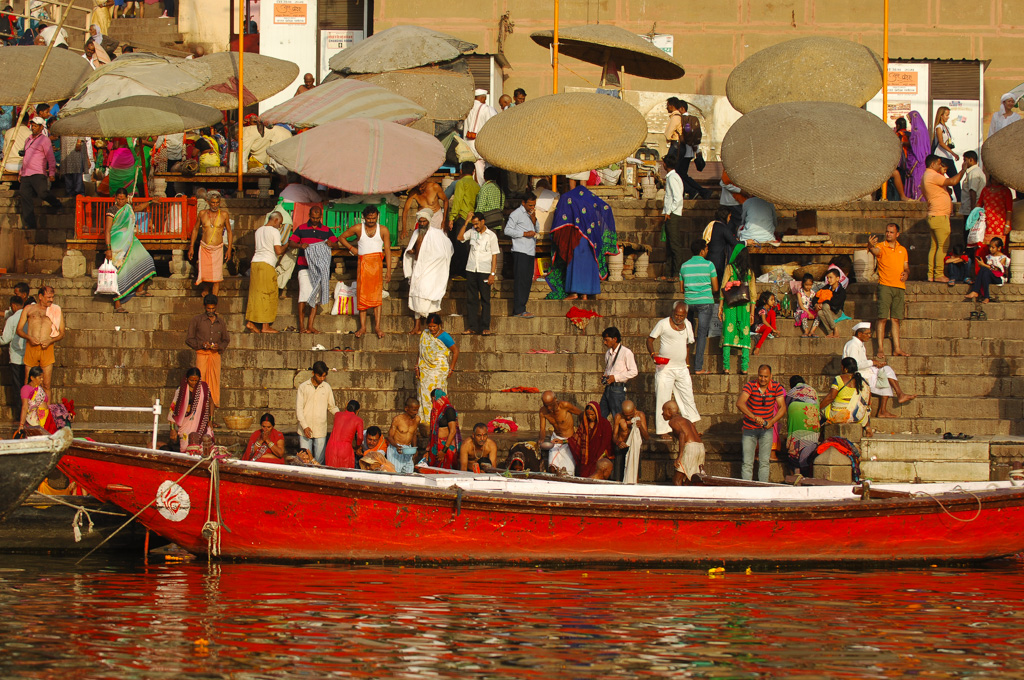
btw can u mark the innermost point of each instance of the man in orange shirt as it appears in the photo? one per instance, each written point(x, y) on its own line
point(935, 187)
point(893, 270)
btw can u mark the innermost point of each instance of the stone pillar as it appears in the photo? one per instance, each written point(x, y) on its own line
point(180, 267)
point(73, 264)
point(1017, 266)
point(834, 467)
point(615, 266)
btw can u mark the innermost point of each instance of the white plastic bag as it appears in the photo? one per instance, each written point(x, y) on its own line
point(172, 223)
point(344, 299)
point(106, 279)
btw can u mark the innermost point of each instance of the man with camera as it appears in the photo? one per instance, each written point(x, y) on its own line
point(619, 367)
point(38, 169)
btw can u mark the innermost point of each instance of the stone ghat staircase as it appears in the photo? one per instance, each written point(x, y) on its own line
point(968, 373)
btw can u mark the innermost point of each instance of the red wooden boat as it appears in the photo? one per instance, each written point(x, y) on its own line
point(300, 513)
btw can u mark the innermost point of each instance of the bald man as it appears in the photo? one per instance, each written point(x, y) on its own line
point(690, 459)
point(308, 83)
point(504, 101)
point(672, 378)
point(560, 415)
point(629, 431)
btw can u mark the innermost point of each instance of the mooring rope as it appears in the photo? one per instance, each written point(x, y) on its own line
point(955, 488)
point(82, 512)
point(211, 529)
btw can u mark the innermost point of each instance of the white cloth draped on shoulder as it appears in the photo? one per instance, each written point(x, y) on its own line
point(428, 271)
point(633, 443)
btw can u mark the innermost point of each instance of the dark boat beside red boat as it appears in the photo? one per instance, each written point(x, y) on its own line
point(281, 512)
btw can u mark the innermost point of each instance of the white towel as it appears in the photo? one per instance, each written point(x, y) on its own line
point(633, 443)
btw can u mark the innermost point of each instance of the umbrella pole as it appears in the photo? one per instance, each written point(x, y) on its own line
point(241, 87)
point(28, 98)
point(554, 78)
point(885, 78)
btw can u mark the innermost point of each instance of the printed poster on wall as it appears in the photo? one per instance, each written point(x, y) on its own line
point(290, 11)
point(964, 124)
point(908, 90)
point(334, 41)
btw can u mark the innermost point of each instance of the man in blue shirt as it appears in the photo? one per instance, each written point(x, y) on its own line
point(522, 229)
point(698, 280)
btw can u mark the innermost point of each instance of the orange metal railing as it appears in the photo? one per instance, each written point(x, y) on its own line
point(163, 219)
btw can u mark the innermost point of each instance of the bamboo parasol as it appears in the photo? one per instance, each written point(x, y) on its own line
point(605, 45)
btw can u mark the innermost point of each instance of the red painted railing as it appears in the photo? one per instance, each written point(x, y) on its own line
point(165, 218)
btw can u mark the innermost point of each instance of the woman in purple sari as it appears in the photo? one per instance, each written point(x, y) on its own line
point(920, 147)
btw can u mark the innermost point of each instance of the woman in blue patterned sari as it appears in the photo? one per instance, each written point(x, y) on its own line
point(582, 239)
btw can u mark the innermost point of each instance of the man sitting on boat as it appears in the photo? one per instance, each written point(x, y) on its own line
point(690, 460)
point(478, 449)
point(401, 437)
point(559, 414)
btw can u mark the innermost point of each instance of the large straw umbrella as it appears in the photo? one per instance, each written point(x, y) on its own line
point(137, 116)
point(341, 99)
point(361, 155)
point(399, 47)
point(139, 74)
point(562, 134)
point(61, 75)
point(607, 45)
point(1003, 157)
point(264, 77)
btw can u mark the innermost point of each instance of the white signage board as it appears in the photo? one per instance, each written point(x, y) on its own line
point(333, 41)
point(908, 91)
point(663, 41)
point(964, 124)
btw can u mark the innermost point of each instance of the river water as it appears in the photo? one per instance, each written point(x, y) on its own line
point(108, 619)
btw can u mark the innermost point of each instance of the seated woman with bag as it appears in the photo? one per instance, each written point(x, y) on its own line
point(849, 400)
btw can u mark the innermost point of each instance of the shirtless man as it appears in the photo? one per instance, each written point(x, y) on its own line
point(690, 460)
point(622, 425)
point(427, 195)
point(401, 437)
point(42, 325)
point(477, 448)
point(559, 414)
point(212, 254)
point(308, 83)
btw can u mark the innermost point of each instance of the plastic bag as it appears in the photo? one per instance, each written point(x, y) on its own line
point(344, 299)
point(172, 224)
point(106, 279)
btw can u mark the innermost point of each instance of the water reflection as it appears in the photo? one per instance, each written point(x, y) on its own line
point(269, 621)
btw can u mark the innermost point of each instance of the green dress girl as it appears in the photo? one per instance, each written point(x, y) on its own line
point(737, 319)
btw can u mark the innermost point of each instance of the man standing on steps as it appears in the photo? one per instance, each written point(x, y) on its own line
point(559, 414)
point(208, 336)
point(373, 250)
point(213, 224)
point(522, 229)
point(313, 402)
point(37, 164)
point(475, 120)
point(690, 459)
point(893, 269)
point(672, 377)
point(42, 326)
point(875, 369)
point(762, 403)
point(480, 271)
point(619, 368)
point(629, 431)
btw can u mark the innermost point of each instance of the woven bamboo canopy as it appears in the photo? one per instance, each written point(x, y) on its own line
point(806, 69)
point(61, 76)
point(562, 134)
point(445, 94)
point(1002, 154)
point(138, 116)
point(603, 43)
point(397, 48)
point(264, 77)
point(809, 154)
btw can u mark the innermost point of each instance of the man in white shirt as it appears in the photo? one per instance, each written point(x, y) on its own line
point(879, 375)
point(971, 183)
point(759, 222)
point(17, 357)
point(315, 400)
point(672, 377)
point(481, 269)
point(1005, 115)
point(672, 218)
point(619, 368)
point(478, 115)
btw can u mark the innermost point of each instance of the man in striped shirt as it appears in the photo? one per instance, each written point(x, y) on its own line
point(698, 281)
point(762, 403)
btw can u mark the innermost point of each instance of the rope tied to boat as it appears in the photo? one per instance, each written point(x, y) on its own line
point(131, 519)
point(211, 529)
point(82, 513)
point(945, 510)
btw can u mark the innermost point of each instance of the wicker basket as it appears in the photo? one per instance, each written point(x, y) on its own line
point(817, 270)
point(789, 268)
point(238, 422)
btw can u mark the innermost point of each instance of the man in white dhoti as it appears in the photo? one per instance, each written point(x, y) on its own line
point(878, 374)
point(425, 264)
point(690, 460)
point(672, 377)
point(559, 414)
point(629, 430)
point(478, 115)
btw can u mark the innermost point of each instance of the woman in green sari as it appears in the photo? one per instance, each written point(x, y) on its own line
point(134, 265)
point(737, 319)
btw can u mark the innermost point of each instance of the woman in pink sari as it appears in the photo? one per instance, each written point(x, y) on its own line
point(192, 410)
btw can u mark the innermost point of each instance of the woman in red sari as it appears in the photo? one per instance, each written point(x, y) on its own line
point(591, 445)
point(997, 202)
point(266, 445)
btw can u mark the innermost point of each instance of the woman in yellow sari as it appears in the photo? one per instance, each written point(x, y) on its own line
point(434, 367)
point(849, 399)
point(208, 150)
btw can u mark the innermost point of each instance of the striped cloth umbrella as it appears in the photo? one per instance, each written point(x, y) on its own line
point(341, 99)
point(361, 155)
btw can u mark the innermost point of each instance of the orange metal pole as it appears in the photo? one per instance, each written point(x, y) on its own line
point(241, 86)
point(554, 79)
point(885, 77)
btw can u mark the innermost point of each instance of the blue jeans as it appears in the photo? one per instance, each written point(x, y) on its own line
point(611, 400)
point(315, 445)
point(702, 315)
point(760, 439)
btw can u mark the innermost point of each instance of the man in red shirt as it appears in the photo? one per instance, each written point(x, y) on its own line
point(762, 403)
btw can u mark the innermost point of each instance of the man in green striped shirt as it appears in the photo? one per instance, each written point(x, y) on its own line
point(698, 281)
